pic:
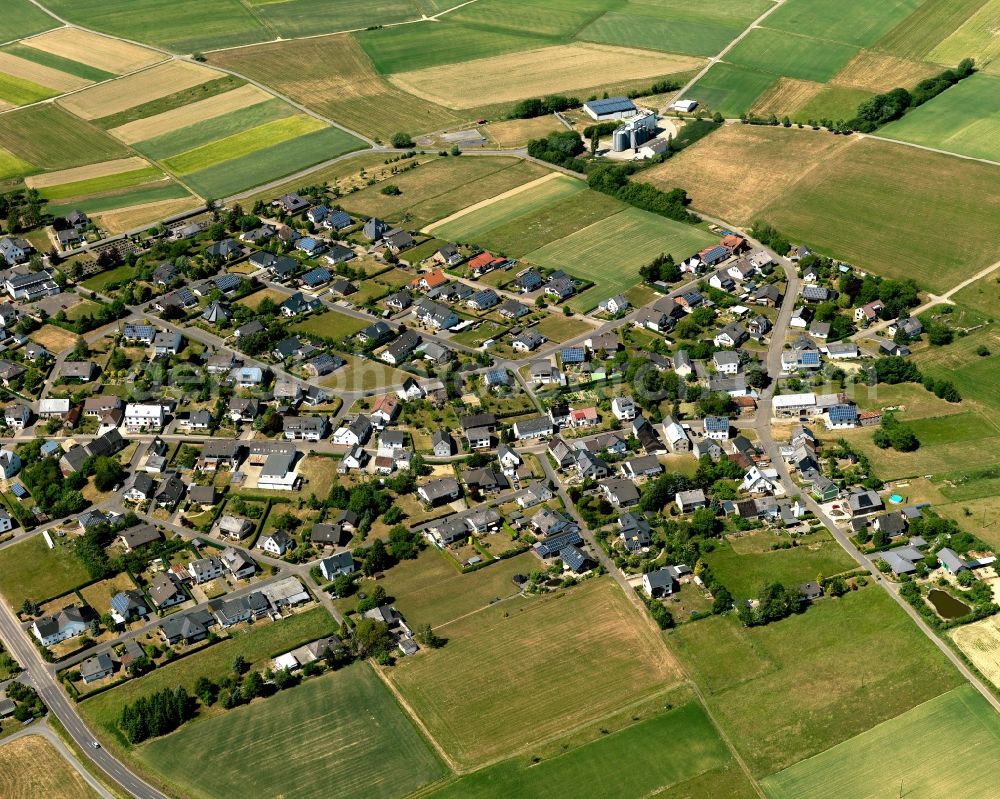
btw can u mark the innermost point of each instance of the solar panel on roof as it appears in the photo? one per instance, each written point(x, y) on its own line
point(19, 490)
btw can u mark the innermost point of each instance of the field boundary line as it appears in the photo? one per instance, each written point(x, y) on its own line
point(926, 148)
point(490, 201)
point(415, 719)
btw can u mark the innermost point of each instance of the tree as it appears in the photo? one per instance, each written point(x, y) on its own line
point(722, 600)
point(425, 634)
point(108, 472)
point(240, 665)
point(252, 685)
point(371, 638)
point(401, 140)
point(375, 559)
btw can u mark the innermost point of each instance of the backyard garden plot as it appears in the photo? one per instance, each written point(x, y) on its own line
point(133, 90)
point(334, 76)
point(794, 56)
point(730, 90)
point(343, 729)
point(549, 70)
point(675, 26)
point(32, 767)
point(23, 18)
point(47, 138)
point(201, 111)
point(792, 689)
point(949, 746)
point(524, 202)
point(611, 251)
point(183, 26)
point(976, 38)
point(859, 203)
point(734, 173)
point(965, 119)
point(851, 21)
point(104, 53)
point(515, 649)
point(642, 760)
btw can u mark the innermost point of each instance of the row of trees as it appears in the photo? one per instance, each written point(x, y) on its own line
point(883, 108)
point(614, 180)
point(539, 107)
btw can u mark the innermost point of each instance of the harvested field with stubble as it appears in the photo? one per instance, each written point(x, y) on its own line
point(518, 132)
point(980, 642)
point(549, 70)
point(785, 97)
point(199, 111)
point(31, 767)
point(334, 76)
point(100, 52)
point(39, 73)
point(947, 747)
point(142, 87)
point(89, 172)
point(880, 72)
point(739, 169)
point(136, 216)
point(514, 651)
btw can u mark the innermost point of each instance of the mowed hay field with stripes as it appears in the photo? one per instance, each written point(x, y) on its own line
point(527, 669)
point(946, 747)
point(31, 767)
point(340, 734)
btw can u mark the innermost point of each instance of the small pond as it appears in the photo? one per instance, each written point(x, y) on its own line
point(946, 605)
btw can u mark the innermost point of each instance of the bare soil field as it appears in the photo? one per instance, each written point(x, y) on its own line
point(88, 172)
point(53, 338)
point(143, 87)
point(40, 74)
point(786, 97)
point(549, 70)
point(980, 641)
point(879, 72)
point(739, 169)
point(102, 52)
point(125, 219)
point(209, 108)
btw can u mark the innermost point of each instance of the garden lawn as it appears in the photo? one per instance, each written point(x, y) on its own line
point(342, 729)
point(636, 762)
point(964, 119)
point(331, 325)
point(745, 574)
point(258, 645)
point(794, 688)
point(512, 653)
point(30, 570)
point(927, 751)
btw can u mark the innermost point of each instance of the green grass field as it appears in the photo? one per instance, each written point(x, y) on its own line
point(49, 138)
point(18, 91)
point(916, 35)
point(200, 134)
point(443, 186)
point(554, 18)
point(744, 573)
point(58, 62)
point(342, 729)
point(949, 746)
point(258, 646)
point(272, 162)
point(851, 21)
point(23, 18)
point(974, 374)
point(502, 692)
point(793, 689)
point(832, 102)
point(291, 18)
point(30, 570)
point(941, 206)
point(117, 275)
point(330, 324)
point(12, 167)
point(184, 26)
point(524, 205)
point(965, 119)
point(975, 38)
point(151, 193)
point(794, 56)
point(80, 188)
point(636, 762)
point(675, 26)
point(634, 236)
point(243, 144)
point(730, 90)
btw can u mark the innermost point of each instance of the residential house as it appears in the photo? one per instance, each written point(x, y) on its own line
point(436, 492)
point(689, 501)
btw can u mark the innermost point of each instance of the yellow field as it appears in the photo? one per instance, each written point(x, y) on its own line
point(137, 216)
point(101, 52)
point(100, 170)
point(534, 73)
point(517, 132)
point(37, 73)
point(980, 641)
point(879, 72)
point(786, 97)
point(209, 108)
point(143, 87)
point(31, 767)
point(739, 169)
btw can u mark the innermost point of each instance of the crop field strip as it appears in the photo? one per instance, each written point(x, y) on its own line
point(907, 750)
point(54, 79)
point(99, 185)
point(58, 139)
point(171, 102)
point(103, 53)
point(84, 71)
point(976, 38)
point(87, 172)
